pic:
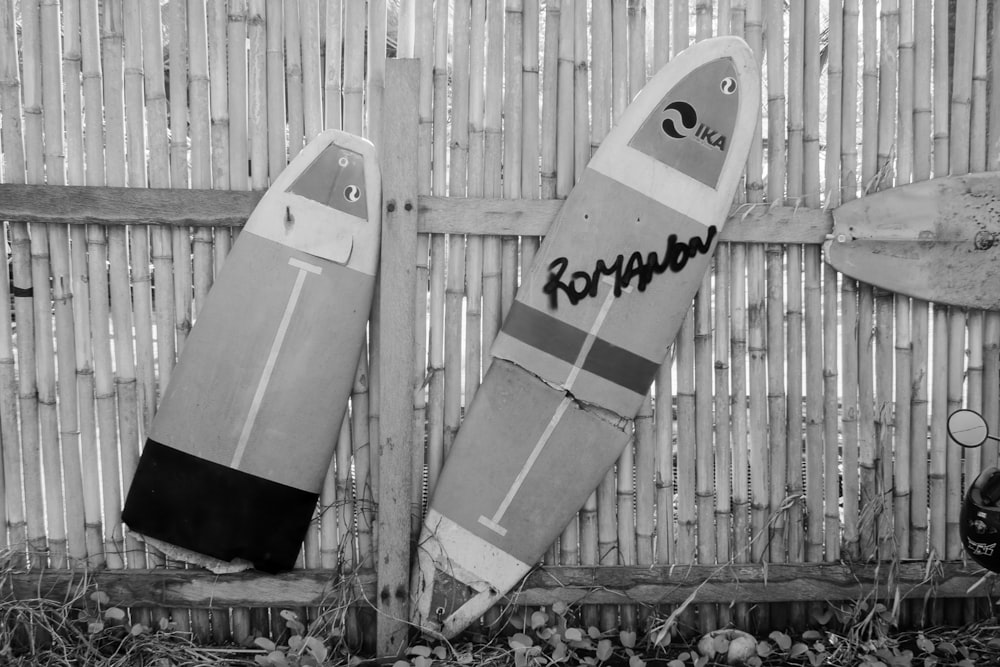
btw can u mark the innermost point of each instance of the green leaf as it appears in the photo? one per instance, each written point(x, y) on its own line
point(560, 608)
point(421, 661)
point(440, 652)
point(764, 648)
point(539, 619)
point(316, 647)
point(627, 638)
point(573, 634)
point(100, 597)
point(594, 632)
point(925, 644)
point(265, 643)
point(604, 650)
point(114, 614)
point(636, 661)
point(419, 650)
point(675, 663)
point(783, 641)
point(811, 635)
point(560, 652)
point(797, 649)
point(402, 663)
point(520, 641)
point(94, 627)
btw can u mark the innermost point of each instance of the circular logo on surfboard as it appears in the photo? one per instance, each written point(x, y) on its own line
point(682, 113)
point(352, 193)
point(728, 85)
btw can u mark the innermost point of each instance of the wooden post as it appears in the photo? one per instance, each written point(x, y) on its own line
point(398, 152)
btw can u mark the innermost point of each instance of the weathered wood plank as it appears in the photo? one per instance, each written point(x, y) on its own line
point(396, 334)
point(664, 584)
point(125, 206)
point(438, 215)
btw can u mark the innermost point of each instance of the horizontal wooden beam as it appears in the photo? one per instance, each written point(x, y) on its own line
point(662, 584)
point(69, 204)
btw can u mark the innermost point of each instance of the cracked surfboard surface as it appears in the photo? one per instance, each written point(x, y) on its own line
point(587, 332)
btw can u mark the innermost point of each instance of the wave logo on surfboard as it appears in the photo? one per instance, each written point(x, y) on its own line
point(688, 117)
point(691, 126)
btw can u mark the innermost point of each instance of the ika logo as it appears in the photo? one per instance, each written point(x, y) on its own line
point(682, 122)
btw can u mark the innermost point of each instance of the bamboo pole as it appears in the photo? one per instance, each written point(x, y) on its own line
point(885, 434)
point(294, 88)
point(457, 187)
point(476, 183)
point(334, 62)
point(566, 175)
point(310, 24)
point(919, 311)
point(267, 158)
point(661, 33)
point(739, 356)
point(513, 130)
point(158, 142)
point(606, 494)
point(112, 32)
point(37, 83)
point(422, 49)
point(10, 396)
point(81, 415)
point(181, 125)
point(530, 112)
point(208, 136)
point(777, 158)
point(902, 482)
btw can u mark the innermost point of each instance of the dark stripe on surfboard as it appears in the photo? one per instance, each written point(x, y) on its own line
point(618, 365)
point(564, 341)
point(216, 510)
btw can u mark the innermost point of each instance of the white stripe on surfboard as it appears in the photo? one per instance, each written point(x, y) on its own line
point(493, 523)
point(272, 357)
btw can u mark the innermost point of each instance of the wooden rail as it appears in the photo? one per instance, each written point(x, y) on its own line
point(448, 215)
point(662, 584)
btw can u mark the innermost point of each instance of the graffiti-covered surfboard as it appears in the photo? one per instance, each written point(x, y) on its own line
point(588, 330)
point(937, 240)
point(236, 455)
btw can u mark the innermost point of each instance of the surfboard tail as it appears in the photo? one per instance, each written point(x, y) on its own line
point(458, 577)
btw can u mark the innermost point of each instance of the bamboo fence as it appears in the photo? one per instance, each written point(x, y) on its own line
point(799, 420)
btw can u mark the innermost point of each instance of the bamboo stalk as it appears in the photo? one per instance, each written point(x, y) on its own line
point(664, 461)
point(919, 310)
point(139, 242)
point(980, 76)
point(619, 60)
point(680, 22)
point(686, 467)
point(795, 168)
point(205, 95)
point(267, 159)
point(16, 434)
point(777, 158)
point(941, 65)
point(474, 244)
point(294, 89)
point(904, 359)
point(530, 112)
point(661, 33)
point(513, 130)
point(180, 161)
point(936, 477)
point(274, 72)
point(457, 186)
point(433, 121)
point(84, 416)
point(112, 30)
point(333, 77)
point(39, 158)
point(310, 24)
